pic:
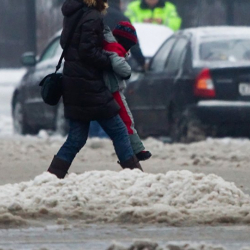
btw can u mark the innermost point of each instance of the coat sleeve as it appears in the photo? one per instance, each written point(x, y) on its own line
point(120, 66)
point(173, 20)
point(90, 47)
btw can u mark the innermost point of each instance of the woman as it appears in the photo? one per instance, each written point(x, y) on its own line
point(85, 96)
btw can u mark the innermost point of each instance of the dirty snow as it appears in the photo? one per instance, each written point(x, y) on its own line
point(177, 197)
point(149, 245)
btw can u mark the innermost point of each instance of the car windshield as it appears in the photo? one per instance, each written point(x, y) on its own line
point(225, 50)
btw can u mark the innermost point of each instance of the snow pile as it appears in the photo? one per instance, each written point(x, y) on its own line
point(148, 245)
point(175, 198)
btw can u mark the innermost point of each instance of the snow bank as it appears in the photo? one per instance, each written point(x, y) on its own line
point(10, 77)
point(227, 152)
point(6, 125)
point(175, 198)
point(148, 245)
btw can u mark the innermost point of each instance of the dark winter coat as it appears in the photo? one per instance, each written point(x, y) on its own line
point(85, 95)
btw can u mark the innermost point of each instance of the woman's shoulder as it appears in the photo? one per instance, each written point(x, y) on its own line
point(92, 20)
point(94, 14)
point(91, 17)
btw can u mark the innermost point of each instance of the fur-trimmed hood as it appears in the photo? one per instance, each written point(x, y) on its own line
point(71, 6)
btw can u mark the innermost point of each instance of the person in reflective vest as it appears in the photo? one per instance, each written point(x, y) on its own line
point(154, 11)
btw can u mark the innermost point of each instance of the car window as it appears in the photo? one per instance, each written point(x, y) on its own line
point(51, 50)
point(159, 60)
point(176, 56)
point(231, 50)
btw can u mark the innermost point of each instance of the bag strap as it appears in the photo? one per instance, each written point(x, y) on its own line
point(69, 38)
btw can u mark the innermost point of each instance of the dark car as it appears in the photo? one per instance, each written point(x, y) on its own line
point(197, 85)
point(30, 113)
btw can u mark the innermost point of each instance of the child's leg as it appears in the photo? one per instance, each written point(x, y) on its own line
point(128, 120)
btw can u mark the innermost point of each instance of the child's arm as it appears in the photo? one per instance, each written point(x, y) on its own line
point(120, 66)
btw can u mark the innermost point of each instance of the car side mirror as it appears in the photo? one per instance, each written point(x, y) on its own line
point(28, 59)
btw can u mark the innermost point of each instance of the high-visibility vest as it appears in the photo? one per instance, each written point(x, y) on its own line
point(166, 15)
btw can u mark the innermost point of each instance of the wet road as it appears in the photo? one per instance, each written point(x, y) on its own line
point(100, 237)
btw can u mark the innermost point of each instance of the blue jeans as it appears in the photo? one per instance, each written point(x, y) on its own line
point(78, 134)
point(95, 130)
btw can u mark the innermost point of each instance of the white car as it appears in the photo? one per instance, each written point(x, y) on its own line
point(151, 37)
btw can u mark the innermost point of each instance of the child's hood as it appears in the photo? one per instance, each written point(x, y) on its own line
point(110, 44)
point(108, 35)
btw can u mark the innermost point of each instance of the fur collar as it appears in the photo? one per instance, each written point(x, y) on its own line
point(71, 6)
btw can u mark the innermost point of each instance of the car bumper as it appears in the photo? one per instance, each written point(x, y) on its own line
point(221, 112)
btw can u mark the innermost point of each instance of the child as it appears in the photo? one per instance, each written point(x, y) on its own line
point(117, 45)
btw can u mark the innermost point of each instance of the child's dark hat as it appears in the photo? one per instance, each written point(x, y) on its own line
point(126, 34)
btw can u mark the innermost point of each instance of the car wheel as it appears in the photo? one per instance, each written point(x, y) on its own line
point(186, 127)
point(61, 124)
point(19, 121)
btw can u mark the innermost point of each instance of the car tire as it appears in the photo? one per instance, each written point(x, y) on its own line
point(61, 124)
point(19, 119)
point(186, 127)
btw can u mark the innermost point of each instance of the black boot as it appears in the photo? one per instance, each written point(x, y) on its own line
point(59, 167)
point(132, 163)
point(143, 155)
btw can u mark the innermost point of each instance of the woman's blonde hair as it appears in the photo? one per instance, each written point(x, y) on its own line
point(100, 5)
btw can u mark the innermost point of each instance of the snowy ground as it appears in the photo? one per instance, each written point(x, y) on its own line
point(168, 192)
point(204, 185)
point(126, 237)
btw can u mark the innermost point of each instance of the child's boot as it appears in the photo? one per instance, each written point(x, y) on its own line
point(143, 155)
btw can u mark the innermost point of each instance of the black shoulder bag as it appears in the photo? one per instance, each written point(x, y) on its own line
point(51, 85)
